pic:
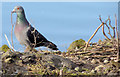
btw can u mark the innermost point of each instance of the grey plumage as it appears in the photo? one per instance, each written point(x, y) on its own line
point(28, 35)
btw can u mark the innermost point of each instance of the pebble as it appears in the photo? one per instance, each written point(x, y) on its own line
point(77, 69)
point(93, 61)
point(106, 61)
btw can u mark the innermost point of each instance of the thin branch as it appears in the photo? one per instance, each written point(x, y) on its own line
point(108, 30)
point(100, 19)
point(93, 36)
point(116, 27)
point(118, 51)
point(112, 27)
point(107, 19)
point(12, 32)
point(104, 32)
point(9, 43)
point(103, 27)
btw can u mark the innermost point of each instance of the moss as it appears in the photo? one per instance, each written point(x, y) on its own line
point(108, 44)
point(77, 44)
point(4, 48)
point(85, 69)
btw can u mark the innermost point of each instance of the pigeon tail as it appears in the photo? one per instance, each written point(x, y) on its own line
point(51, 45)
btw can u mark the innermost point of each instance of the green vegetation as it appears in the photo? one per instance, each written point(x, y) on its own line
point(77, 44)
point(4, 48)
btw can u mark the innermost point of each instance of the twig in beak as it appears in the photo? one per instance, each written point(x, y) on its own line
point(12, 31)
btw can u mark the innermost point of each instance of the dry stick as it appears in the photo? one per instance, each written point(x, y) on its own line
point(112, 27)
point(12, 33)
point(103, 27)
point(9, 43)
point(100, 18)
point(116, 27)
point(104, 32)
point(118, 53)
point(106, 25)
point(108, 30)
point(92, 36)
point(107, 19)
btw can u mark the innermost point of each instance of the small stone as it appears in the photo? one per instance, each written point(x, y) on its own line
point(77, 69)
point(93, 61)
point(112, 58)
point(115, 60)
point(106, 61)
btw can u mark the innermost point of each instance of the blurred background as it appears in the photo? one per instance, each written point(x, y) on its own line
point(60, 22)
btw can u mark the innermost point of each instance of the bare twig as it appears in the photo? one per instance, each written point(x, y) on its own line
point(107, 19)
point(92, 36)
point(107, 27)
point(118, 51)
point(9, 43)
point(112, 27)
point(108, 30)
point(100, 19)
point(116, 27)
point(12, 33)
point(104, 32)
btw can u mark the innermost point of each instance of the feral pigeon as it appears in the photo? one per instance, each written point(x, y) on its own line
point(28, 35)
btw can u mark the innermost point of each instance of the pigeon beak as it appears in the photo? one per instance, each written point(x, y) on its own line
point(13, 11)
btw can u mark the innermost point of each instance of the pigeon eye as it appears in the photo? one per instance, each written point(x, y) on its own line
point(18, 8)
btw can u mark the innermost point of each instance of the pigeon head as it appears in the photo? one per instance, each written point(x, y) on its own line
point(18, 9)
point(20, 14)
